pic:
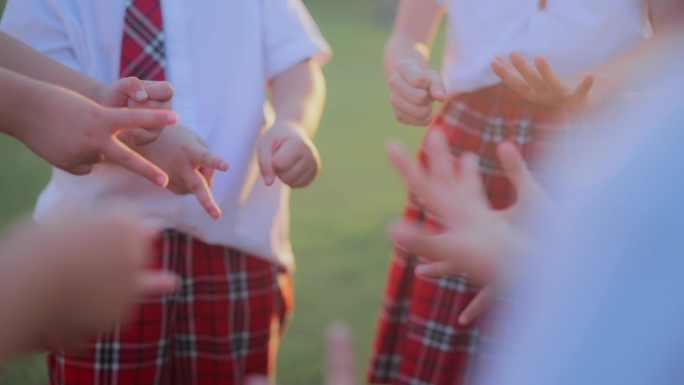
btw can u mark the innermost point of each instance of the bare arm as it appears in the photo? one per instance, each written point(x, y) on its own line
point(20, 58)
point(413, 34)
point(285, 150)
point(298, 96)
point(626, 72)
point(414, 87)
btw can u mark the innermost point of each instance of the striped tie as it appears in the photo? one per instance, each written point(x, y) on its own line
point(143, 54)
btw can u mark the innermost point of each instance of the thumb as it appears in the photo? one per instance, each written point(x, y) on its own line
point(265, 160)
point(513, 165)
point(437, 87)
point(135, 89)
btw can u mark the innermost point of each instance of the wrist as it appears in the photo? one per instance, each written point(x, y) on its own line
point(96, 92)
point(290, 126)
point(22, 108)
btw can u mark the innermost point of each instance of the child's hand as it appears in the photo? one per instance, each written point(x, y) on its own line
point(286, 152)
point(73, 132)
point(541, 84)
point(413, 91)
point(77, 277)
point(189, 164)
point(472, 235)
point(135, 93)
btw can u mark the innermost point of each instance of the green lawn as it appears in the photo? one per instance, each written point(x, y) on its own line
point(339, 224)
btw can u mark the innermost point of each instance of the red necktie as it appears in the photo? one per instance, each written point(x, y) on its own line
point(143, 54)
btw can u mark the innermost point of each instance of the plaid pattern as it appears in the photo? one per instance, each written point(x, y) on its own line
point(224, 324)
point(143, 53)
point(418, 339)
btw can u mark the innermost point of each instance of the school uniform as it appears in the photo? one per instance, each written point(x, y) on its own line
point(226, 321)
point(418, 339)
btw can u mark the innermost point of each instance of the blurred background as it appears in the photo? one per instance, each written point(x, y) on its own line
point(339, 225)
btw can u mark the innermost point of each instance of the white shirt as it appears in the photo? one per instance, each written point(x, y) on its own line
point(572, 34)
point(220, 57)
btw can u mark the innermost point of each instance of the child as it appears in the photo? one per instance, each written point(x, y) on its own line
point(422, 335)
point(222, 57)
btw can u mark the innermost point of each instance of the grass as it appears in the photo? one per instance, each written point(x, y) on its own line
point(339, 224)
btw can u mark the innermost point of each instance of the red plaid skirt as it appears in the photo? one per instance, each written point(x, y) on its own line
point(419, 341)
point(224, 324)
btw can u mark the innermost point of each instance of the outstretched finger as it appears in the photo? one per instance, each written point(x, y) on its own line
point(341, 368)
point(513, 165)
point(477, 306)
point(257, 380)
point(119, 153)
point(417, 240)
point(199, 186)
point(208, 173)
point(407, 168)
point(553, 81)
point(437, 269)
point(440, 160)
point(583, 89)
point(157, 283)
point(209, 159)
point(529, 73)
point(511, 78)
point(265, 160)
point(469, 167)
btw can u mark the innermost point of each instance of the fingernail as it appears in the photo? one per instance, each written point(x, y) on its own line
point(171, 118)
point(269, 180)
point(141, 95)
point(161, 181)
point(224, 166)
point(462, 320)
point(215, 214)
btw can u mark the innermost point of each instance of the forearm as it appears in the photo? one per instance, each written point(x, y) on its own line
point(22, 59)
point(298, 96)
point(19, 101)
point(631, 71)
point(413, 34)
point(403, 47)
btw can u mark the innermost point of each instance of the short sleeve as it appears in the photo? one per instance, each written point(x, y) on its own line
point(290, 36)
point(38, 24)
